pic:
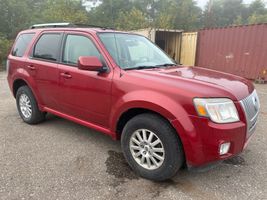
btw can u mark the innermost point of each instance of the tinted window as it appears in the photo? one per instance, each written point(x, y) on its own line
point(47, 47)
point(21, 44)
point(76, 46)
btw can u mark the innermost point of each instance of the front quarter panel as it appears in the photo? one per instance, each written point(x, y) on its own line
point(129, 94)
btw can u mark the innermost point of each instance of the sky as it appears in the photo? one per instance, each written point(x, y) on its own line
point(202, 3)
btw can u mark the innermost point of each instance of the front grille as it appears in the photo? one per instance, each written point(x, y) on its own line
point(251, 107)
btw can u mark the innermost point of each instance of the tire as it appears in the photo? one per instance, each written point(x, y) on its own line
point(171, 157)
point(25, 98)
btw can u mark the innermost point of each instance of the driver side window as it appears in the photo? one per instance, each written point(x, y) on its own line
point(76, 46)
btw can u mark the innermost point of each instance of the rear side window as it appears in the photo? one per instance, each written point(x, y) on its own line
point(76, 46)
point(47, 47)
point(21, 44)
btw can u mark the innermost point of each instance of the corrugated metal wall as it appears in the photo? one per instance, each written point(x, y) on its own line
point(240, 50)
point(188, 48)
point(170, 42)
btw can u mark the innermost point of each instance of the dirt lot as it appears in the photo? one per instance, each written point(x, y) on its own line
point(62, 160)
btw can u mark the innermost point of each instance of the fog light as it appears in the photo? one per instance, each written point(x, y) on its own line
point(224, 148)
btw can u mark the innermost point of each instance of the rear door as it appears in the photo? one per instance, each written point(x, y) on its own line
point(84, 94)
point(43, 66)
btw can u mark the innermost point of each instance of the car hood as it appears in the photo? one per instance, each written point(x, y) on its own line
point(238, 87)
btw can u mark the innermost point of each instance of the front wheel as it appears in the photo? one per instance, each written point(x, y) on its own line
point(152, 147)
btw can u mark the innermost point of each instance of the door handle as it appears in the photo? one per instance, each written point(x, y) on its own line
point(65, 75)
point(31, 67)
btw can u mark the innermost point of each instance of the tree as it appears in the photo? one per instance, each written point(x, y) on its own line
point(13, 17)
point(223, 13)
point(133, 20)
point(234, 12)
point(257, 12)
point(164, 21)
point(187, 15)
point(256, 19)
point(257, 7)
point(64, 11)
point(238, 21)
point(18, 15)
point(108, 12)
point(5, 46)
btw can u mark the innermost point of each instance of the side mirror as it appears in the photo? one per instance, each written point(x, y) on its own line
point(90, 63)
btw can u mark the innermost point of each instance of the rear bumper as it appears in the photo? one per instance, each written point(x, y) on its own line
point(201, 142)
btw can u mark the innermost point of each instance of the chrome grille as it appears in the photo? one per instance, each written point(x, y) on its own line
point(251, 106)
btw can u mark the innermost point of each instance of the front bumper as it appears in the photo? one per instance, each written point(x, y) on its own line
point(201, 144)
point(202, 138)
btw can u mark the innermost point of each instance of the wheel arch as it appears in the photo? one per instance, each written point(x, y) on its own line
point(129, 114)
point(129, 106)
point(17, 84)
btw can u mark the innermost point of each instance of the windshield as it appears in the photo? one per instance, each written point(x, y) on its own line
point(133, 51)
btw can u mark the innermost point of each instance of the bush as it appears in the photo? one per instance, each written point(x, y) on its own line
point(5, 46)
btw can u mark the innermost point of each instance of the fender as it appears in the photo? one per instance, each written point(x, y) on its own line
point(150, 100)
point(22, 74)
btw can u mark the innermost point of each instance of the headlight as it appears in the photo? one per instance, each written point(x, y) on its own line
point(219, 110)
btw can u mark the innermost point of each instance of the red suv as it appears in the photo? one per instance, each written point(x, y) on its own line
point(126, 87)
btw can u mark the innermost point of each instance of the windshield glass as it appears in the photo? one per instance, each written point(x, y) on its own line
point(133, 51)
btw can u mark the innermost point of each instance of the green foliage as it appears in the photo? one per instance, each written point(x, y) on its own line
point(64, 11)
point(256, 19)
point(5, 46)
point(14, 16)
point(238, 21)
point(187, 15)
point(18, 15)
point(258, 12)
point(108, 12)
point(223, 13)
point(132, 20)
point(164, 21)
point(130, 14)
point(257, 7)
point(233, 12)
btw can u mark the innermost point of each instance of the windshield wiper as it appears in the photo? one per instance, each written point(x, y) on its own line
point(166, 65)
point(142, 67)
point(150, 67)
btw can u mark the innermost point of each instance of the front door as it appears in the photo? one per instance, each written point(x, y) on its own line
point(84, 94)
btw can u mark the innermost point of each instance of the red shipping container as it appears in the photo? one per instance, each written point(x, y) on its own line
point(240, 50)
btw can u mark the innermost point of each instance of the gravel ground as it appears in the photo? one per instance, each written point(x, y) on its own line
point(59, 159)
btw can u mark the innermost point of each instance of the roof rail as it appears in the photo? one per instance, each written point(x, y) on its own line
point(91, 26)
point(50, 25)
point(65, 24)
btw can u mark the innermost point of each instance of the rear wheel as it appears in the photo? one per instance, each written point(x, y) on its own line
point(27, 106)
point(152, 147)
